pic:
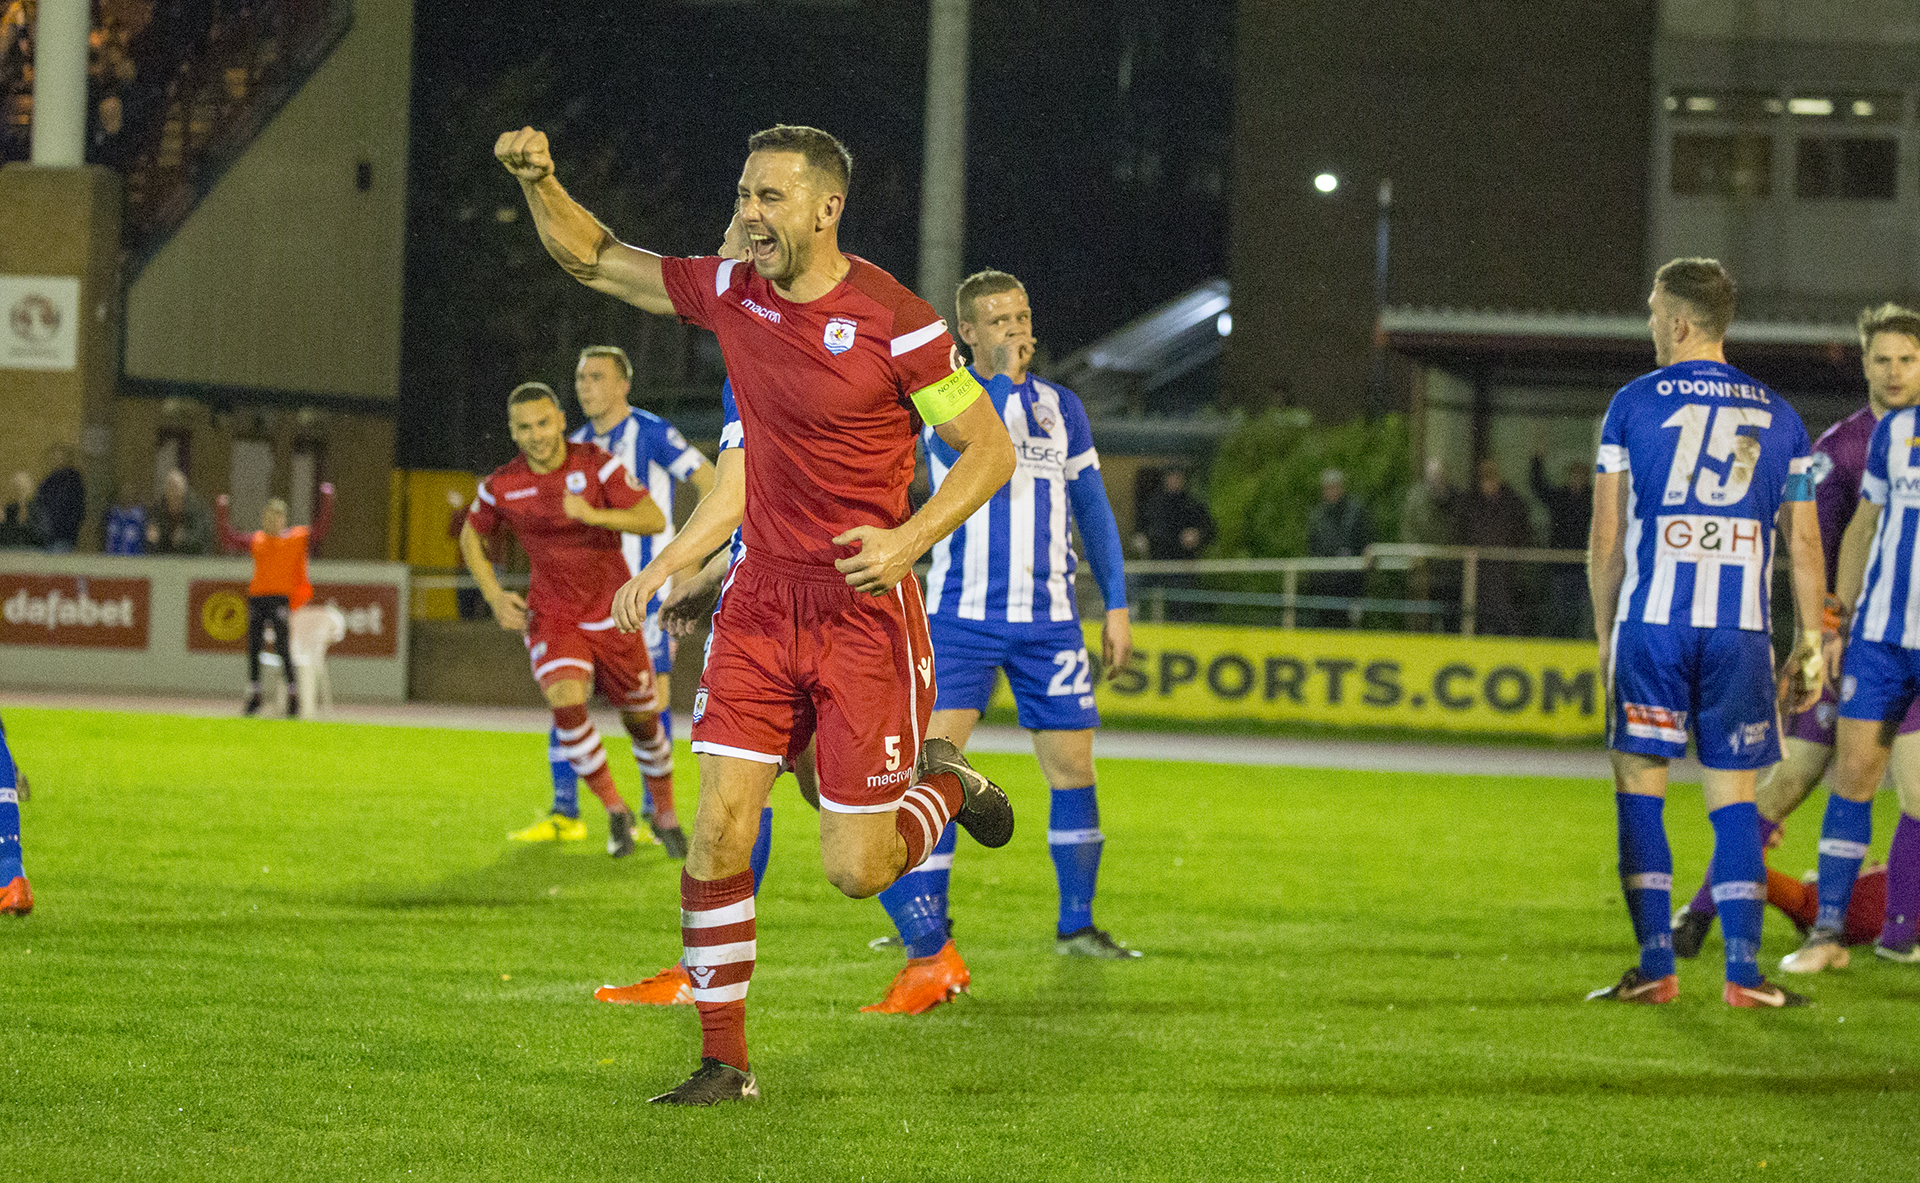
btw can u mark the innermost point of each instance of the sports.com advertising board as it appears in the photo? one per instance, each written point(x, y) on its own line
point(73, 611)
point(217, 616)
point(1416, 681)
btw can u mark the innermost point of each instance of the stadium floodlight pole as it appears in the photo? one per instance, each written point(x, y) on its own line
point(1382, 227)
point(60, 83)
point(943, 169)
point(1329, 184)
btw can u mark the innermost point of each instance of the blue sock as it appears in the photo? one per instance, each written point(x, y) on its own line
point(1844, 835)
point(762, 845)
point(10, 867)
point(1646, 875)
point(566, 784)
point(1739, 887)
point(917, 902)
point(1075, 841)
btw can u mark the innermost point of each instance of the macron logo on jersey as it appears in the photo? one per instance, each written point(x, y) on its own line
point(764, 313)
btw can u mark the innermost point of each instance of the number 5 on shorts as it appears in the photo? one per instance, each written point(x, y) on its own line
point(893, 753)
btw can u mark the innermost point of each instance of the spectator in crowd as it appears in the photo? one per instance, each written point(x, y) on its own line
point(1430, 516)
point(1493, 514)
point(16, 529)
point(1338, 529)
point(126, 530)
point(1569, 514)
point(61, 502)
point(179, 520)
point(1172, 524)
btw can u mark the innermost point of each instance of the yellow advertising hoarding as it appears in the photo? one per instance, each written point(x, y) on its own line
point(1418, 681)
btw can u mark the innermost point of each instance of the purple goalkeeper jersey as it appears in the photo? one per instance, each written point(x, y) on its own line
point(1839, 460)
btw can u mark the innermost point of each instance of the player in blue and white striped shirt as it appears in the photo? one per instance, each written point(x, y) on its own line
point(1877, 581)
point(659, 457)
point(1698, 463)
point(1000, 597)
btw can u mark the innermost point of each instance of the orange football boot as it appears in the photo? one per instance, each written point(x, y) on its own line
point(670, 987)
point(924, 983)
point(17, 899)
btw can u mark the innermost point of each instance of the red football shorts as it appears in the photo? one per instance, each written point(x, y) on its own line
point(797, 655)
point(598, 653)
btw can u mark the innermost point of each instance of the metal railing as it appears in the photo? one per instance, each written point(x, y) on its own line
point(1382, 556)
point(1287, 598)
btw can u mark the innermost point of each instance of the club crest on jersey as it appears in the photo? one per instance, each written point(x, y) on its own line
point(576, 482)
point(839, 335)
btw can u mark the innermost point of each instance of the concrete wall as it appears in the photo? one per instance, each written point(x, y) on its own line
point(288, 276)
point(63, 222)
point(1515, 135)
point(358, 450)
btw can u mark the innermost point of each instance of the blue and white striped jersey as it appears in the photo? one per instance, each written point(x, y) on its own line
point(1889, 611)
point(1710, 455)
point(1012, 562)
point(656, 454)
point(732, 435)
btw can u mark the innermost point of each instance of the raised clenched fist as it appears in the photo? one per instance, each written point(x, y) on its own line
point(525, 154)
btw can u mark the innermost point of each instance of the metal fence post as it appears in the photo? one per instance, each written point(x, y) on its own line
point(1469, 591)
point(1289, 588)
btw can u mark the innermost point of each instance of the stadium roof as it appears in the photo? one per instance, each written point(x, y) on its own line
point(1612, 347)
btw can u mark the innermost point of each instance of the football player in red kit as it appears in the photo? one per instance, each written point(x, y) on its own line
point(569, 504)
point(821, 634)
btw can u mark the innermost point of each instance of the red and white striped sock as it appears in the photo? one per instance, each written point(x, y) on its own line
point(653, 752)
point(716, 928)
point(587, 756)
point(924, 812)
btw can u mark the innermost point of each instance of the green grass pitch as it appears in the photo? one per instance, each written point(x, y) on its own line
point(283, 951)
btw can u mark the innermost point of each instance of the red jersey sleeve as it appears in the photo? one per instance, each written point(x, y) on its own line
point(921, 346)
point(694, 285)
point(484, 514)
point(617, 484)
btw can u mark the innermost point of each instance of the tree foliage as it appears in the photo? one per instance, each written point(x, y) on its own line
point(1265, 479)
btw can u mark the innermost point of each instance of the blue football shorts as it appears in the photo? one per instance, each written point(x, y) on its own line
point(1046, 665)
point(1877, 680)
point(1672, 680)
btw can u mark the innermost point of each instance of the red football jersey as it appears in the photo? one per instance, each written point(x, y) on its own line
point(824, 395)
point(576, 567)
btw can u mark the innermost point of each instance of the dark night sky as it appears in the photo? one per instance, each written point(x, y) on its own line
point(1097, 153)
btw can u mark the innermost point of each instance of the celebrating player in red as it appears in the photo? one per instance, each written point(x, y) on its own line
point(569, 504)
point(821, 634)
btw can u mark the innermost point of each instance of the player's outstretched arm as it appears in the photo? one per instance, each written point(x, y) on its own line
point(642, 517)
point(1809, 561)
point(509, 609)
point(1607, 555)
point(713, 520)
point(985, 462)
point(1850, 571)
point(693, 597)
point(577, 240)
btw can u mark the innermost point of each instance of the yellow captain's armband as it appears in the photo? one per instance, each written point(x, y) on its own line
point(947, 397)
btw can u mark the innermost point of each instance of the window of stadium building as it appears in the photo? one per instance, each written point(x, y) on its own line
point(1850, 168)
point(1739, 165)
point(1723, 104)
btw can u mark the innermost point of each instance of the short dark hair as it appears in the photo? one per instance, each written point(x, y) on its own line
point(982, 283)
point(1888, 318)
point(618, 355)
point(532, 392)
point(1706, 288)
point(823, 151)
